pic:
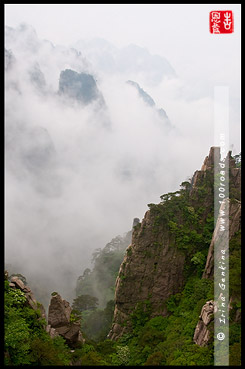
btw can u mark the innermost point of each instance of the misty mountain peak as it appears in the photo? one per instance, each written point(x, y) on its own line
point(149, 101)
point(25, 27)
point(9, 59)
point(135, 50)
point(79, 86)
point(147, 98)
point(131, 60)
point(25, 34)
point(37, 76)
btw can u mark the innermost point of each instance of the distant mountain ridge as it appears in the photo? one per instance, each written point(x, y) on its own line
point(149, 101)
point(129, 60)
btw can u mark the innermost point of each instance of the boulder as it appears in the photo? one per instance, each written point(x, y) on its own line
point(59, 312)
point(59, 315)
point(71, 333)
point(18, 283)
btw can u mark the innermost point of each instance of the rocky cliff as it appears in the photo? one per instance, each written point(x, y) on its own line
point(164, 245)
point(151, 269)
point(234, 226)
point(202, 332)
point(204, 326)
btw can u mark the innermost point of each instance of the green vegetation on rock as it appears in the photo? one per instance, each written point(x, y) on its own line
point(25, 340)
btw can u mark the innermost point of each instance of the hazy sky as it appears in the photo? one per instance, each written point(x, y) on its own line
point(178, 32)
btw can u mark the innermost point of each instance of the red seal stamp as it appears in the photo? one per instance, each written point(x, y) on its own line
point(221, 21)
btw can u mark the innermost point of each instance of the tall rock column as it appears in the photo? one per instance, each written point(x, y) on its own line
point(59, 315)
point(151, 272)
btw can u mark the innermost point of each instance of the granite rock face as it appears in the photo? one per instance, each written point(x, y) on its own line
point(207, 167)
point(51, 331)
point(234, 226)
point(71, 333)
point(232, 223)
point(151, 269)
point(59, 312)
point(234, 206)
point(202, 332)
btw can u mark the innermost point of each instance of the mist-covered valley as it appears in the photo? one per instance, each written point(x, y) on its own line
point(85, 151)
